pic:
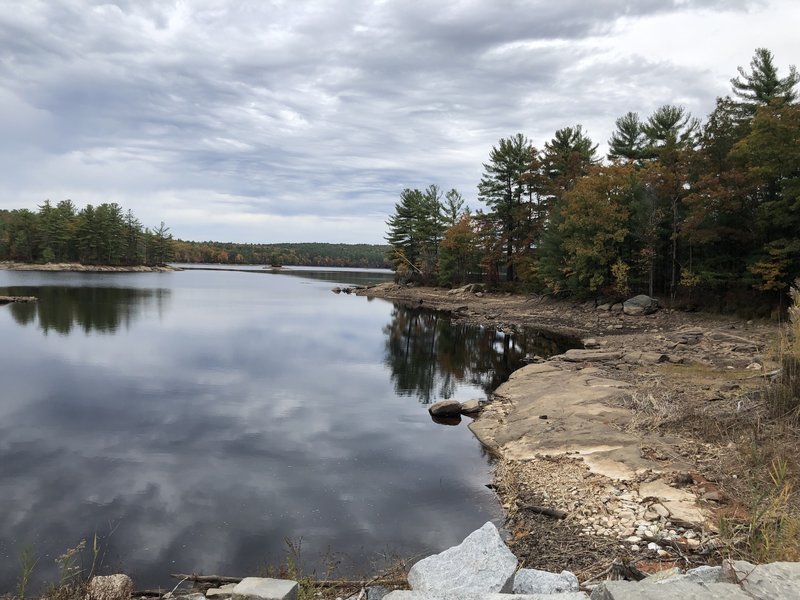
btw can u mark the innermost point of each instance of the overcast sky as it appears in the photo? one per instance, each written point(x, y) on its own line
point(271, 121)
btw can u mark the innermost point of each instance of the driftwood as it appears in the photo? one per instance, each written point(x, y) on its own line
point(543, 510)
point(206, 578)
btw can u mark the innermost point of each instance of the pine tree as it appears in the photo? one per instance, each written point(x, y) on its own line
point(762, 85)
point(628, 141)
point(502, 188)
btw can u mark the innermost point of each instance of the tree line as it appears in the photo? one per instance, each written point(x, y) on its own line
point(300, 254)
point(104, 234)
point(678, 207)
point(108, 235)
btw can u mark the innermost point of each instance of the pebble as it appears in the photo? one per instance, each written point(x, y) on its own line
point(653, 546)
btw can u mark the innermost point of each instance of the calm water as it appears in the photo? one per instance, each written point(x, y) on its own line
point(196, 420)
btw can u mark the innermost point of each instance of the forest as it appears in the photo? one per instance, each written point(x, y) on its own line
point(104, 234)
point(108, 235)
point(691, 211)
point(312, 254)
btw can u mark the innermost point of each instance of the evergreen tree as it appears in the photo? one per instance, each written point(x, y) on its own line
point(628, 141)
point(415, 231)
point(502, 188)
point(453, 207)
point(567, 157)
point(762, 85)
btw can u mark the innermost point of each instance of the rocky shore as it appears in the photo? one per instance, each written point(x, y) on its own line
point(601, 450)
point(78, 267)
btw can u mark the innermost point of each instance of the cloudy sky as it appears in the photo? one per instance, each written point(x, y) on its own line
point(294, 120)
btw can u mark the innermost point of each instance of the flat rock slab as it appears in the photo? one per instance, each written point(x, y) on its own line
point(680, 503)
point(579, 410)
point(481, 563)
point(679, 590)
point(578, 355)
point(264, 588)
point(412, 595)
point(585, 419)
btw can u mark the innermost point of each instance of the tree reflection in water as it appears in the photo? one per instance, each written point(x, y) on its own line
point(102, 309)
point(429, 354)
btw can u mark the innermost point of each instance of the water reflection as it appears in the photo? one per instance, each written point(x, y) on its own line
point(429, 354)
point(102, 309)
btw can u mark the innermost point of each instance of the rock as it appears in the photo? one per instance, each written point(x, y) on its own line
point(445, 408)
point(775, 581)
point(604, 307)
point(578, 355)
point(481, 563)
point(672, 590)
point(377, 592)
point(264, 588)
point(704, 574)
point(470, 407)
point(662, 576)
point(532, 581)
point(640, 305)
point(109, 587)
point(645, 358)
point(449, 421)
point(590, 344)
point(661, 510)
point(223, 591)
point(414, 595)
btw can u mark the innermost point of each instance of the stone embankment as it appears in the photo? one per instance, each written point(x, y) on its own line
point(483, 568)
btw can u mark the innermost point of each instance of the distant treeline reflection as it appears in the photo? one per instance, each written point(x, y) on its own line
point(103, 309)
point(429, 354)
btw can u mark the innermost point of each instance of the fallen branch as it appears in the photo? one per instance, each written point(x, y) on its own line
point(543, 510)
point(206, 578)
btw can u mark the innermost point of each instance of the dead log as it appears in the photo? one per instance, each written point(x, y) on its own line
point(543, 510)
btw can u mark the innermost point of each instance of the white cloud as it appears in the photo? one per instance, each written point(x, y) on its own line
point(287, 121)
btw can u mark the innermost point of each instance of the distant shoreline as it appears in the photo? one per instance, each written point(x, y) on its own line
point(80, 268)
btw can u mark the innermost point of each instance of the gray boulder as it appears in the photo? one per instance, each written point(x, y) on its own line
point(481, 563)
point(445, 408)
point(640, 305)
point(532, 581)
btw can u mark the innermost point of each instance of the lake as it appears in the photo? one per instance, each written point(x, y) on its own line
point(195, 421)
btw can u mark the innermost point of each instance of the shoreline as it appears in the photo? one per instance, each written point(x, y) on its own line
point(81, 268)
point(611, 434)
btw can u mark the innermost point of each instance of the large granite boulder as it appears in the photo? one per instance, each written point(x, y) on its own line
point(640, 305)
point(481, 563)
point(532, 581)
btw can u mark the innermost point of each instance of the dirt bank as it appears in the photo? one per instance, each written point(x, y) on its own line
point(636, 438)
point(77, 267)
